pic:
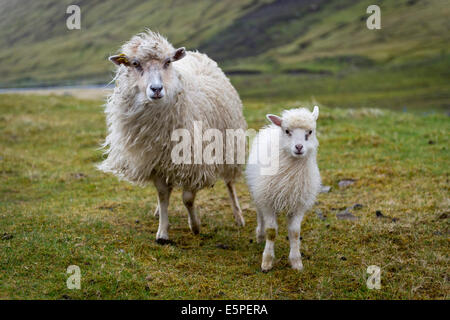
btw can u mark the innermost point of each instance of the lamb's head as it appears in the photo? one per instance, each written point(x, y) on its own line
point(146, 61)
point(298, 131)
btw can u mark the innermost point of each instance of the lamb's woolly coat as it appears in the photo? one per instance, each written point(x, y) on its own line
point(139, 132)
point(296, 183)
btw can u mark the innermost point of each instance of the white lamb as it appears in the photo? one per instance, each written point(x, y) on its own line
point(158, 90)
point(293, 187)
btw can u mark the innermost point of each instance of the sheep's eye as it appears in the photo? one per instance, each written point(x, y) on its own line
point(288, 132)
point(166, 64)
point(310, 132)
point(135, 63)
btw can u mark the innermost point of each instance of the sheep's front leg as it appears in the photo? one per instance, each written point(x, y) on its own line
point(237, 212)
point(294, 221)
point(271, 230)
point(188, 200)
point(164, 190)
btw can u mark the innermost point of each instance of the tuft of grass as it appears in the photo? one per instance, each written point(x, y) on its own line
point(57, 210)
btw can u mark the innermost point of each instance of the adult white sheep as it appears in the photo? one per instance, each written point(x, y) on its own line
point(158, 90)
point(291, 143)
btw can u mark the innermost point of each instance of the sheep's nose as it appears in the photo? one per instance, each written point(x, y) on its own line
point(156, 88)
point(299, 147)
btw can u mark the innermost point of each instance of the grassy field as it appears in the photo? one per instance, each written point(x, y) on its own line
point(57, 210)
point(415, 86)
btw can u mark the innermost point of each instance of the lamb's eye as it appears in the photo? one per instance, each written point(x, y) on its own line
point(135, 63)
point(310, 132)
point(288, 132)
point(166, 64)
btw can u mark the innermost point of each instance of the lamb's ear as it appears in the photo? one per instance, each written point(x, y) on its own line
point(276, 120)
point(178, 54)
point(315, 112)
point(120, 59)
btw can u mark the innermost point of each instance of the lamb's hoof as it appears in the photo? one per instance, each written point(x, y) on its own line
point(296, 264)
point(156, 213)
point(260, 236)
point(267, 263)
point(266, 268)
point(163, 241)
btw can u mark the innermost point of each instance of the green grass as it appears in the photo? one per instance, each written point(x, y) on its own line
point(57, 210)
point(414, 86)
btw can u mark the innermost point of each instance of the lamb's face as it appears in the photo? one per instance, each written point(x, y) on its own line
point(299, 142)
point(298, 135)
point(155, 77)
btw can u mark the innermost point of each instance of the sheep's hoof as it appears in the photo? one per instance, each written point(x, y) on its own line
point(163, 241)
point(194, 226)
point(296, 264)
point(239, 220)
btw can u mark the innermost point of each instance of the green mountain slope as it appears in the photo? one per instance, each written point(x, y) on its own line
point(36, 46)
point(295, 37)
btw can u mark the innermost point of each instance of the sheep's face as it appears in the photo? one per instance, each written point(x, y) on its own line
point(298, 135)
point(155, 77)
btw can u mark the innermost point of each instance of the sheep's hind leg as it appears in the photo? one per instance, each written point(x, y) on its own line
point(271, 229)
point(194, 221)
point(260, 230)
point(156, 213)
point(294, 225)
point(237, 212)
point(164, 190)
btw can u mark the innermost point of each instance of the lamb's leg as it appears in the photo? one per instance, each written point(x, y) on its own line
point(271, 229)
point(164, 190)
point(294, 222)
point(194, 221)
point(237, 212)
point(260, 231)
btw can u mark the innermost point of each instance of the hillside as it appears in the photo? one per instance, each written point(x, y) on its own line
point(293, 37)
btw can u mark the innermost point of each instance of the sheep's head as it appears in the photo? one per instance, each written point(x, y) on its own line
point(148, 59)
point(298, 131)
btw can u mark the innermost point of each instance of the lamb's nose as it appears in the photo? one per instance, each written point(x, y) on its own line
point(156, 88)
point(299, 147)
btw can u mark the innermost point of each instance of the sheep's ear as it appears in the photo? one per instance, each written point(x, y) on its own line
point(315, 112)
point(120, 59)
point(178, 54)
point(276, 120)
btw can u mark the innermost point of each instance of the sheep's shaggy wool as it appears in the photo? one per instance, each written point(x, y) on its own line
point(296, 183)
point(293, 184)
point(139, 142)
point(298, 118)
